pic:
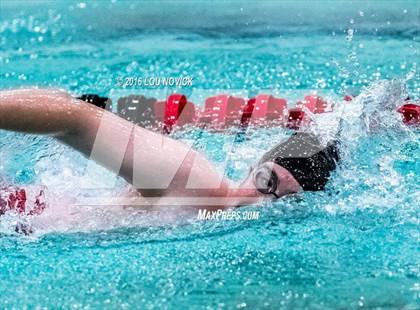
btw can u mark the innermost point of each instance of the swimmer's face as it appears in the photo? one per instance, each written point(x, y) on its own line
point(270, 180)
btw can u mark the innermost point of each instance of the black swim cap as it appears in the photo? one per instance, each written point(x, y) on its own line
point(306, 159)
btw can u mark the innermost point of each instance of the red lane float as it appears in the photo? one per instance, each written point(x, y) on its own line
point(150, 113)
point(189, 115)
point(176, 110)
point(138, 109)
point(262, 109)
point(348, 98)
point(314, 104)
point(296, 118)
point(39, 204)
point(222, 111)
point(410, 113)
point(174, 106)
point(17, 200)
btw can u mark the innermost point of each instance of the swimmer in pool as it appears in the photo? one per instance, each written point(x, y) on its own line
point(159, 166)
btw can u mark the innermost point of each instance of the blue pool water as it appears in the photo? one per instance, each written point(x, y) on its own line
point(354, 245)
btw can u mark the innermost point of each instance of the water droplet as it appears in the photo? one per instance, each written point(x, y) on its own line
point(350, 34)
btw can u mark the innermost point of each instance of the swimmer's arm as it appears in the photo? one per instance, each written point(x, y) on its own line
point(155, 164)
point(37, 111)
point(169, 165)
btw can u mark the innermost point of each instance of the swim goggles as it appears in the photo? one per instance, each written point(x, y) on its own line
point(265, 179)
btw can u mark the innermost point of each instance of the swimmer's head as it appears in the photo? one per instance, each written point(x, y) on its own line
point(306, 159)
point(299, 163)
